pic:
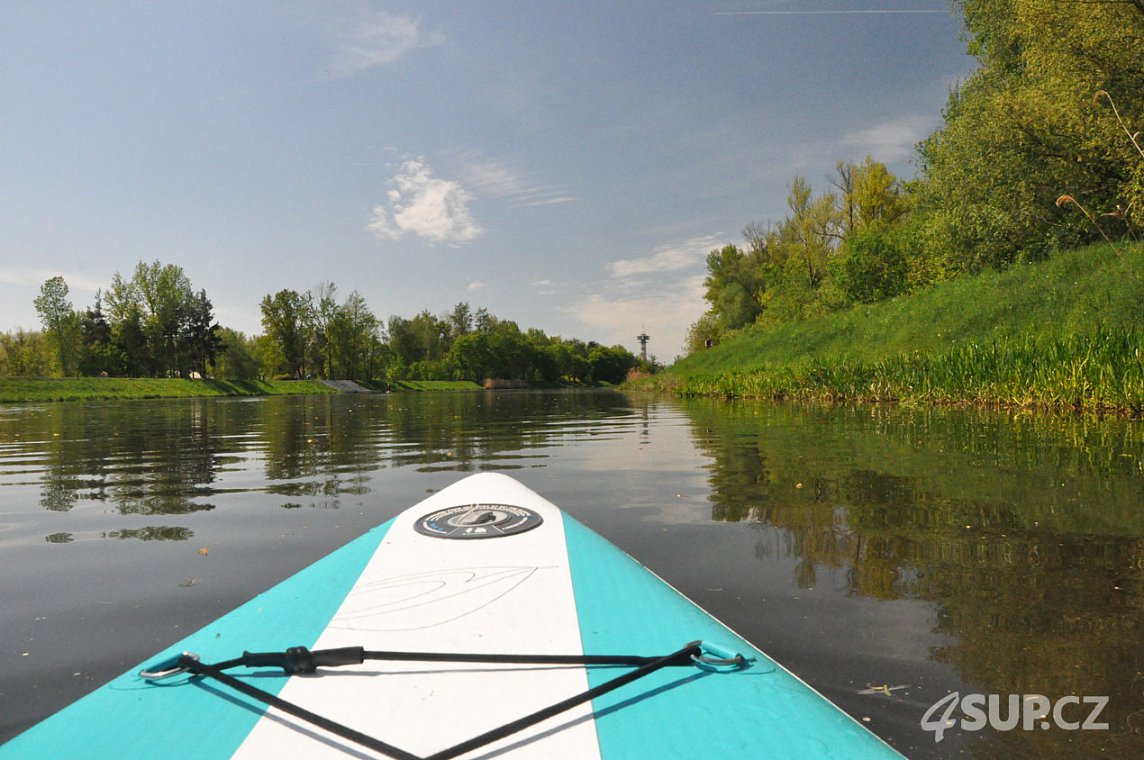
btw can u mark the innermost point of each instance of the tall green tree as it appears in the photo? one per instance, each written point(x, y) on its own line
point(868, 193)
point(812, 229)
point(99, 354)
point(167, 299)
point(58, 318)
point(734, 286)
point(403, 342)
point(286, 320)
point(323, 312)
point(460, 320)
point(355, 340)
point(199, 339)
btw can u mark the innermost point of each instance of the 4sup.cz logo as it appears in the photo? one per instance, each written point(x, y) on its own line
point(1029, 712)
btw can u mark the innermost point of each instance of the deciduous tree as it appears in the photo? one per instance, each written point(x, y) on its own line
point(286, 319)
point(58, 318)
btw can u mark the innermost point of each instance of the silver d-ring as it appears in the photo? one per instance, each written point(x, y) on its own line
point(167, 668)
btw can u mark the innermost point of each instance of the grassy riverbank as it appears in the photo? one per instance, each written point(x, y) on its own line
point(1067, 333)
point(18, 389)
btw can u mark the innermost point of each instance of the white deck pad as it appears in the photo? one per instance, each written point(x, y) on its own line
point(419, 593)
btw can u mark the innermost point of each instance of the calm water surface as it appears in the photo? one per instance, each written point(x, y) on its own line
point(888, 557)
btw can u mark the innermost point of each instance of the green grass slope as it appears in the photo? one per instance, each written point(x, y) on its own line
point(1062, 333)
point(17, 389)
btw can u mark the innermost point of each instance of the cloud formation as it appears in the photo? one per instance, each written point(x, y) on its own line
point(891, 140)
point(26, 276)
point(368, 38)
point(498, 178)
point(667, 258)
point(433, 209)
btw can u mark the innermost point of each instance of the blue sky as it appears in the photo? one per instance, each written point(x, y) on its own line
point(564, 165)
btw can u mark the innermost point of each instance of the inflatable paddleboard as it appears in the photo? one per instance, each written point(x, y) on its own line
point(481, 622)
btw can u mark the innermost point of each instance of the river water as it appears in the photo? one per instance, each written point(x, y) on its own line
point(887, 556)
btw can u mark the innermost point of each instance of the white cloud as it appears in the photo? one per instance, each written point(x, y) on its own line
point(551, 198)
point(366, 38)
point(544, 287)
point(501, 179)
point(434, 209)
point(475, 286)
point(25, 276)
point(661, 293)
point(892, 140)
point(668, 258)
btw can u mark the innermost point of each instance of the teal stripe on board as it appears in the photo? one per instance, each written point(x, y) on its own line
point(762, 711)
point(129, 719)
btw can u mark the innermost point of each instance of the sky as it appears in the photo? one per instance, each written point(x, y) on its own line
point(564, 165)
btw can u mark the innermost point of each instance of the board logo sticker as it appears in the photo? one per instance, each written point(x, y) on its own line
point(478, 521)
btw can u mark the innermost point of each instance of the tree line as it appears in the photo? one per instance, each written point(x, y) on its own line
point(1038, 152)
point(309, 334)
point(154, 324)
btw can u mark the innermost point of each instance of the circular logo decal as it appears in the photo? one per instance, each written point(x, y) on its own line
point(478, 521)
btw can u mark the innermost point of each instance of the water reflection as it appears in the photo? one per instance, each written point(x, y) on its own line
point(179, 457)
point(1027, 532)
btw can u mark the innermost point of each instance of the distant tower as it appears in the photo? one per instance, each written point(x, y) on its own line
point(643, 338)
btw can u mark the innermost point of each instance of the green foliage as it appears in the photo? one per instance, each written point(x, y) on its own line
point(704, 333)
point(789, 272)
point(1024, 130)
point(99, 354)
point(499, 350)
point(356, 350)
point(159, 324)
point(24, 354)
point(286, 320)
point(734, 287)
point(791, 297)
point(874, 196)
point(609, 365)
point(239, 357)
point(312, 334)
point(871, 267)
